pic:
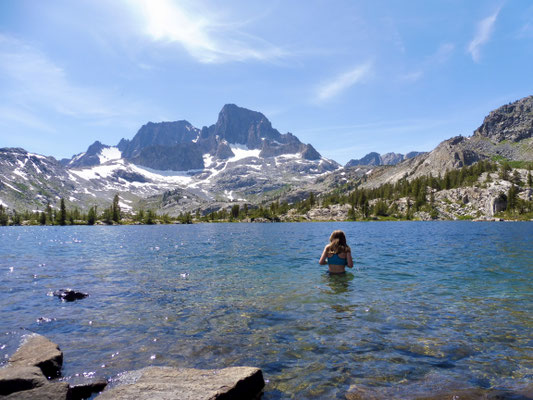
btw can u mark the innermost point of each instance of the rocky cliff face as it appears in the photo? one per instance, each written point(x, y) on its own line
point(179, 146)
point(161, 134)
point(512, 122)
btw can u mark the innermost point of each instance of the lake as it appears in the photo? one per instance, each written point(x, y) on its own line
point(428, 304)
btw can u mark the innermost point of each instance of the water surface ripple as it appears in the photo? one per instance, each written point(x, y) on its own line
point(426, 303)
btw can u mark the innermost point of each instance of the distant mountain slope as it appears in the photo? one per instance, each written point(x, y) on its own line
point(385, 159)
point(506, 132)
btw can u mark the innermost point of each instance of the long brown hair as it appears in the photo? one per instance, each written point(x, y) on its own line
point(338, 243)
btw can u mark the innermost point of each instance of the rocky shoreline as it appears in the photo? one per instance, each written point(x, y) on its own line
point(34, 372)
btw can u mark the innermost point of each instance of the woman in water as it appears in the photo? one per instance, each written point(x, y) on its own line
point(337, 254)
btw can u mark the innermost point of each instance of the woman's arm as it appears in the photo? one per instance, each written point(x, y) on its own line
point(323, 257)
point(349, 259)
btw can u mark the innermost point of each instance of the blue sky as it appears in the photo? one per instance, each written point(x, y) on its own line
point(349, 77)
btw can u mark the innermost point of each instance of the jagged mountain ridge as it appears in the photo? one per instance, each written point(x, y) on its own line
point(278, 168)
point(241, 157)
point(179, 146)
point(374, 158)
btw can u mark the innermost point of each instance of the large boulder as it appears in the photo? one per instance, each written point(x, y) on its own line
point(158, 383)
point(16, 379)
point(38, 351)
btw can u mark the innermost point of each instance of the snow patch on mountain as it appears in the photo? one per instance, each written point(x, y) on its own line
point(242, 151)
point(109, 154)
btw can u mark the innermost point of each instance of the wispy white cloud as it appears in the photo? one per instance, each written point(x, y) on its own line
point(35, 84)
point(440, 56)
point(206, 37)
point(342, 82)
point(484, 31)
point(526, 31)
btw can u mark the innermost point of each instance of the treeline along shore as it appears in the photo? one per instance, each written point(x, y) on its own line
point(486, 190)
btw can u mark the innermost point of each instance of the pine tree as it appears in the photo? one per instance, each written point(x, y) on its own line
point(365, 208)
point(42, 218)
point(15, 219)
point(311, 199)
point(62, 216)
point(3, 216)
point(235, 211)
point(351, 214)
point(107, 215)
point(115, 209)
point(49, 213)
point(516, 178)
point(512, 197)
point(447, 181)
point(529, 179)
point(91, 216)
point(505, 168)
point(149, 218)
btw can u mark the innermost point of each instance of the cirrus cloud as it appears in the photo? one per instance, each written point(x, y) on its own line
point(484, 31)
point(342, 82)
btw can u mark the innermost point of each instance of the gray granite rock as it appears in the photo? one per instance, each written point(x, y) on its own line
point(38, 351)
point(162, 383)
point(50, 391)
point(16, 379)
point(84, 390)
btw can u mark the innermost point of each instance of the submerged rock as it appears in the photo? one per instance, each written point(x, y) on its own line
point(443, 392)
point(188, 384)
point(38, 351)
point(70, 295)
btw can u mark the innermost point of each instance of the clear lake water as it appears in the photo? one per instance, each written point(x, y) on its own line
point(428, 304)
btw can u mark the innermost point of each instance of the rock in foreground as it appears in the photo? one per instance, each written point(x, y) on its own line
point(16, 379)
point(38, 351)
point(161, 383)
point(50, 391)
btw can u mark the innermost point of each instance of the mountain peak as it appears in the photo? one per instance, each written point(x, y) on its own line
point(243, 126)
point(513, 122)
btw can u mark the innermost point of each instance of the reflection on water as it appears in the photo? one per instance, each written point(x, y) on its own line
point(339, 283)
point(428, 304)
